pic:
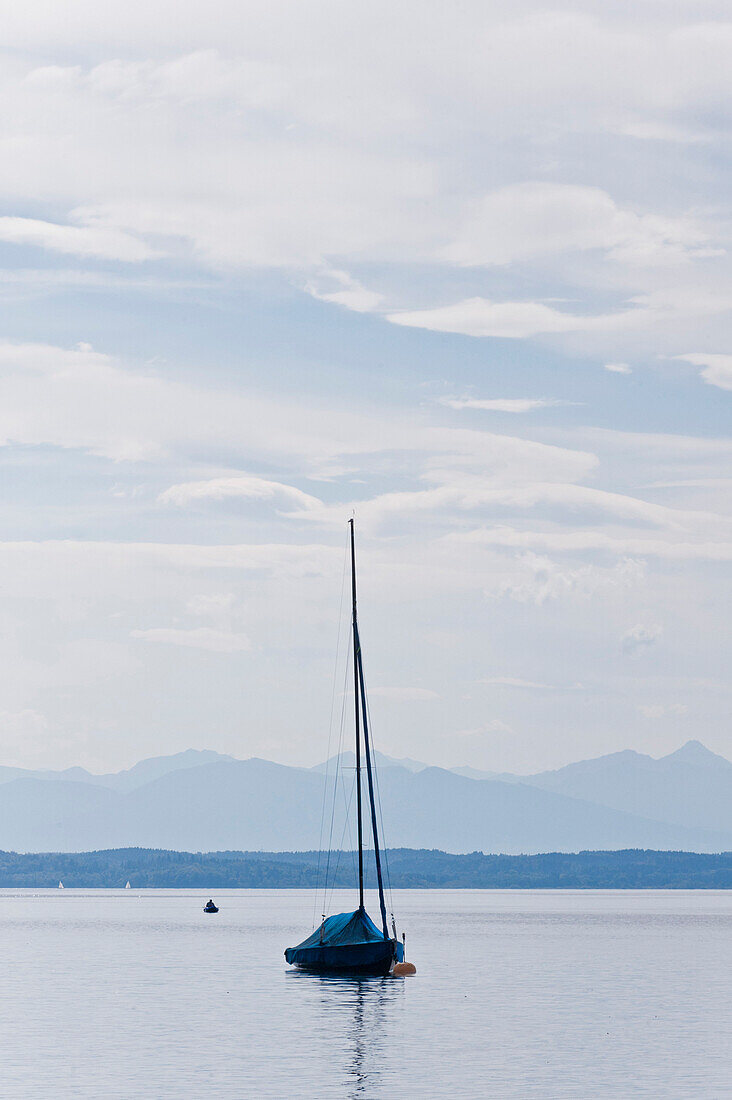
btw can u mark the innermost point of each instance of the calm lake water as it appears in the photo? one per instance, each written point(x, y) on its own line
point(518, 994)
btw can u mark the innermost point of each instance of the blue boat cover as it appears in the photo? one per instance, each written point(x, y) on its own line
point(342, 929)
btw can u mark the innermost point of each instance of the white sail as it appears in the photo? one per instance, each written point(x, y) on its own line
point(60, 885)
point(127, 885)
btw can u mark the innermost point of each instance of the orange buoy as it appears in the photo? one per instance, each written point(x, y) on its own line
point(403, 970)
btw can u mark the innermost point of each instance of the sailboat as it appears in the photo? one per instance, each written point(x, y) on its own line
point(127, 885)
point(60, 885)
point(351, 943)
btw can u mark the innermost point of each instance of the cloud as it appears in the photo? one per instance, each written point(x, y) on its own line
point(717, 368)
point(78, 398)
point(19, 727)
point(662, 448)
point(198, 76)
point(514, 320)
point(618, 368)
point(673, 549)
point(29, 739)
point(500, 404)
point(457, 491)
point(26, 281)
point(201, 637)
point(495, 725)
point(640, 637)
point(663, 710)
point(481, 317)
point(85, 241)
point(333, 156)
point(88, 569)
point(530, 219)
point(403, 694)
point(542, 579)
point(211, 605)
point(510, 681)
point(217, 121)
point(243, 486)
point(371, 142)
point(342, 289)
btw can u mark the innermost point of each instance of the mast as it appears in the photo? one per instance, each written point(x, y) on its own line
point(360, 693)
point(371, 789)
point(358, 708)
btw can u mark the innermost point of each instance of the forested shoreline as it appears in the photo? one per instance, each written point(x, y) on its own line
point(407, 868)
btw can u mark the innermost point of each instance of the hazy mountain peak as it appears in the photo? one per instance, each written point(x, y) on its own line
point(348, 760)
point(636, 802)
point(594, 764)
point(691, 786)
point(693, 752)
point(475, 773)
point(156, 766)
point(187, 757)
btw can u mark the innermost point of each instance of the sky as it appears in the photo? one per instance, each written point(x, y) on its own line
point(462, 271)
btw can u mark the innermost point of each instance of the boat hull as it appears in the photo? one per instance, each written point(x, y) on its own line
point(361, 959)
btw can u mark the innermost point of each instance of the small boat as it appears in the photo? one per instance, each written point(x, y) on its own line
point(209, 907)
point(60, 885)
point(127, 885)
point(350, 943)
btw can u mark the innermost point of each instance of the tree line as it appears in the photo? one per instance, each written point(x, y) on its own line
point(404, 868)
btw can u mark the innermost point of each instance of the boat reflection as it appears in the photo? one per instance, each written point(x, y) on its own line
point(361, 1013)
point(372, 1001)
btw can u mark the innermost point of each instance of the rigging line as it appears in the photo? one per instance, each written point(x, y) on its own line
point(385, 849)
point(338, 771)
point(346, 826)
point(330, 730)
point(369, 771)
point(357, 712)
point(373, 754)
point(347, 817)
point(347, 803)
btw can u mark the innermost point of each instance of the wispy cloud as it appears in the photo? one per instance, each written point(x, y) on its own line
point(342, 289)
point(211, 604)
point(481, 317)
point(513, 682)
point(28, 738)
point(535, 218)
point(494, 725)
point(404, 694)
point(641, 636)
point(541, 579)
point(673, 549)
point(370, 155)
point(459, 492)
point(500, 404)
point(717, 368)
point(86, 240)
point(341, 224)
point(241, 486)
point(85, 399)
point(663, 710)
point(200, 637)
point(516, 320)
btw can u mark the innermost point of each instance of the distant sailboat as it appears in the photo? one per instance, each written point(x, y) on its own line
point(127, 885)
point(350, 943)
point(60, 885)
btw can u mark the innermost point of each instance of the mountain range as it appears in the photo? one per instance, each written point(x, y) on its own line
point(205, 801)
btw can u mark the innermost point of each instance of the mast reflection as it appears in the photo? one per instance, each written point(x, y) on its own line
point(365, 1009)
